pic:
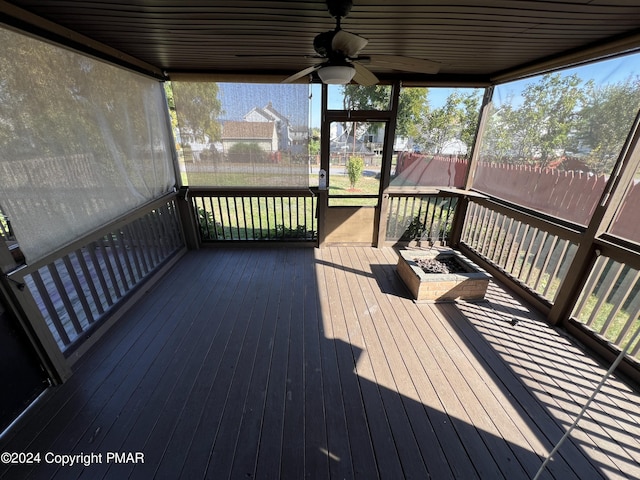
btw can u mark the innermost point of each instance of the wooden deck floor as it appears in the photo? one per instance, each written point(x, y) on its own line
point(307, 363)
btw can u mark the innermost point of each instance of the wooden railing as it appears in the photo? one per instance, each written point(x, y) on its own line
point(255, 215)
point(533, 252)
point(80, 285)
point(609, 305)
point(420, 217)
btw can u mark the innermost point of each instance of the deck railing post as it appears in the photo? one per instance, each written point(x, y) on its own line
point(321, 209)
point(623, 173)
point(188, 219)
point(19, 302)
point(459, 217)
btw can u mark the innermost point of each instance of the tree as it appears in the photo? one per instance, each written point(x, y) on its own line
point(355, 167)
point(471, 102)
point(498, 140)
point(548, 116)
point(197, 109)
point(605, 120)
point(541, 127)
point(412, 104)
point(457, 119)
point(314, 141)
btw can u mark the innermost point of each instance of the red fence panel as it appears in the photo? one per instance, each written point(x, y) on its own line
point(569, 195)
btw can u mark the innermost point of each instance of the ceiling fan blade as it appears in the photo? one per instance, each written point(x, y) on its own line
point(364, 76)
point(349, 44)
point(301, 74)
point(406, 64)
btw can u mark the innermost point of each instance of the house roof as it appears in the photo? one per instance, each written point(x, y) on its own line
point(472, 41)
point(248, 130)
point(268, 112)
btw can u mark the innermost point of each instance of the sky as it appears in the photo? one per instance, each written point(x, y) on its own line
point(238, 99)
point(292, 100)
point(604, 72)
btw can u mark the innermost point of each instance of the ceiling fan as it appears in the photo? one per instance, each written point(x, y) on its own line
point(341, 53)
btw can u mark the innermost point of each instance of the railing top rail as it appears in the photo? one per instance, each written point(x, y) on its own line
point(552, 225)
point(619, 250)
point(249, 192)
point(141, 211)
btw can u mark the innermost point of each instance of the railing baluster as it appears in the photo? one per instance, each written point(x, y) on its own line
point(266, 202)
point(115, 256)
point(222, 219)
point(467, 227)
point(631, 320)
point(64, 296)
point(261, 201)
point(281, 200)
point(143, 249)
point(77, 285)
point(150, 240)
point(623, 289)
point(88, 280)
point(253, 223)
point(107, 263)
point(591, 284)
point(134, 249)
point(505, 241)
point(499, 232)
point(486, 234)
point(244, 218)
point(514, 248)
point(432, 203)
point(545, 264)
point(122, 247)
point(50, 309)
point(91, 248)
point(539, 244)
point(608, 284)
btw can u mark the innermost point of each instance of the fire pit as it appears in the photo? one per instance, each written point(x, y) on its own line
point(447, 276)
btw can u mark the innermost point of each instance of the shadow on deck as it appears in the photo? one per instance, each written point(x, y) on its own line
point(294, 363)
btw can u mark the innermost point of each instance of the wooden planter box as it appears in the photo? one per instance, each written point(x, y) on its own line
point(442, 287)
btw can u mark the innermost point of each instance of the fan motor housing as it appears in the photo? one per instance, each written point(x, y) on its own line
point(339, 8)
point(322, 43)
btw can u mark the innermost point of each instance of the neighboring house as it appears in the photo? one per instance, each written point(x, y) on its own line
point(270, 114)
point(299, 139)
point(455, 146)
point(263, 134)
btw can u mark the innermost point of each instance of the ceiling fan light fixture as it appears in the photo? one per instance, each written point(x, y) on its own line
point(336, 74)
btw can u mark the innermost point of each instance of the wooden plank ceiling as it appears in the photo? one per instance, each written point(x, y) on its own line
point(470, 39)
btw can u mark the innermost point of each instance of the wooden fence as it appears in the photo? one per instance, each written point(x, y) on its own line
point(572, 196)
point(430, 170)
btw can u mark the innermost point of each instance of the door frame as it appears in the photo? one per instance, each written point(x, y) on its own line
point(381, 116)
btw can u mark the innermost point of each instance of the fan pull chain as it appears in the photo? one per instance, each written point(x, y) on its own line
point(586, 405)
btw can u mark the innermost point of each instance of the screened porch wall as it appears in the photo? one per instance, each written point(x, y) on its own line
point(559, 220)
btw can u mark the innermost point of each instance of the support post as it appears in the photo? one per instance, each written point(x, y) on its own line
point(187, 214)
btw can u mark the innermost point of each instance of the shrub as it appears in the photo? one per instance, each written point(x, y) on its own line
point(355, 167)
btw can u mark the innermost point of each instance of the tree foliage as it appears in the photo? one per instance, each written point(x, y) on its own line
point(457, 119)
point(604, 121)
point(197, 109)
point(314, 141)
point(429, 129)
point(355, 167)
point(412, 104)
point(563, 116)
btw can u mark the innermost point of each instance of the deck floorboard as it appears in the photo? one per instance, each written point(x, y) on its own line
point(314, 363)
